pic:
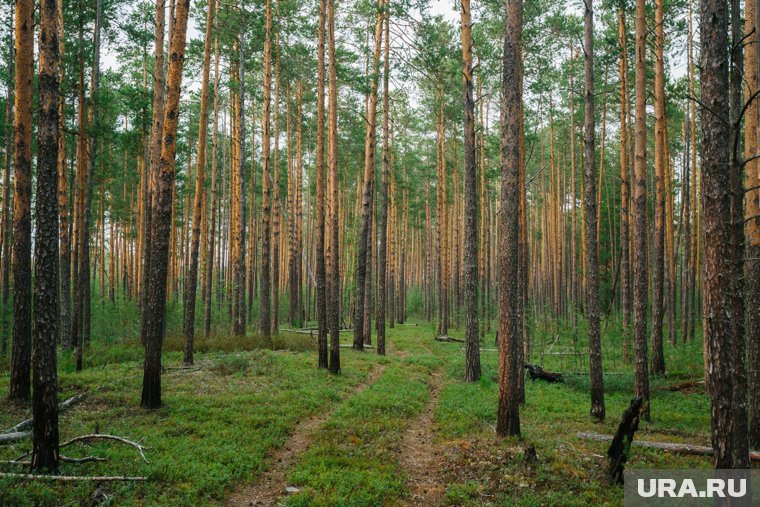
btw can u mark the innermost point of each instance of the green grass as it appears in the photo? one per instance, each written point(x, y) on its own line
point(222, 419)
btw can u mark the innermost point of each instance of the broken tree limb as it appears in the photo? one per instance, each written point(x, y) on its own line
point(27, 423)
point(678, 448)
point(12, 437)
point(620, 448)
point(98, 436)
point(536, 372)
point(448, 339)
point(30, 477)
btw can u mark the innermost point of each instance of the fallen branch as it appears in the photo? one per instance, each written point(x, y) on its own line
point(448, 339)
point(29, 477)
point(27, 423)
point(536, 372)
point(97, 436)
point(350, 346)
point(695, 450)
point(12, 437)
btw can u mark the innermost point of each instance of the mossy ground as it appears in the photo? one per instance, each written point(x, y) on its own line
point(222, 419)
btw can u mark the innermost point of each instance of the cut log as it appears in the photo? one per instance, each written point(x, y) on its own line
point(536, 372)
point(33, 477)
point(620, 448)
point(677, 448)
point(448, 339)
point(27, 423)
point(6, 438)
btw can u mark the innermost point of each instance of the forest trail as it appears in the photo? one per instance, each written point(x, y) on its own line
point(421, 459)
point(269, 487)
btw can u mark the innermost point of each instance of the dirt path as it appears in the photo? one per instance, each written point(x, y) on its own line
point(268, 487)
point(422, 460)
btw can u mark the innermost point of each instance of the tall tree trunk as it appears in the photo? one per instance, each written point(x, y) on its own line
point(508, 415)
point(332, 141)
point(752, 214)
point(592, 259)
point(321, 184)
point(7, 210)
point(640, 268)
point(200, 176)
point(155, 310)
point(472, 352)
point(716, 205)
point(736, 205)
point(625, 276)
point(382, 217)
point(265, 316)
point(365, 224)
point(22, 197)
point(213, 212)
point(660, 159)
point(63, 201)
point(157, 128)
point(46, 260)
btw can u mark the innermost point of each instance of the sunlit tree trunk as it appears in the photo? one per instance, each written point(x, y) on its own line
point(155, 310)
point(334, 291)
point(191, 281)
point(265, 310)
point(22, 197)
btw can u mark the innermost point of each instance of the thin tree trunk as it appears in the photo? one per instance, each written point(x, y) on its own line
point(334, 292)
point(472, 352)
point(660, 159)
point(320, 184)
point(592, 260)
point(200, 176)
point(640, 269)
point(265, 317)
point(365, 225)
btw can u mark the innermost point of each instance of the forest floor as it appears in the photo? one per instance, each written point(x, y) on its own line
point(242, 426)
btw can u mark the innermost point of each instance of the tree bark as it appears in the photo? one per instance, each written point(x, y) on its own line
point(334, 292)
point(716, 237)
point(320, 184)
point(472, 352)
point(640, 239)
point(22, 197)
point(265, 311)
point(45, 394)
point(365, 224)
point(592, 260)
point(382, 217)
point(200, 177)
point(153, 325)
point(660, 159)
point(508, 415)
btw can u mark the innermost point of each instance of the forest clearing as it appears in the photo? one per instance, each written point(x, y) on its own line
point(377, 252)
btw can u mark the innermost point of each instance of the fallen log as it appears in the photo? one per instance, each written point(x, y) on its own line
point(448, 339)
point(29, 477)
point(350, 346)
point(677, 448)
point(27, 423)
point(620, 447)
point(12, 437)
point(536, 372)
